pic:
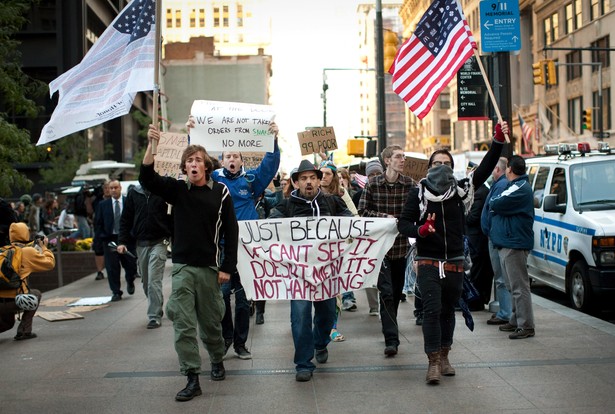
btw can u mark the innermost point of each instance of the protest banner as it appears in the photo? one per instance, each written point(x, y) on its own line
point(416, 168)
point(311, 258)
point(170, 148)
point(317, 140)
point(232, 126)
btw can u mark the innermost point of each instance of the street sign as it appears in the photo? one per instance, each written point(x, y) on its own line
point(472, 94)
point(602, 135)
point(500, 29)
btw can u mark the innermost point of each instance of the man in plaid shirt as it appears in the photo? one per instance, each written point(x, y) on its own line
point(385, 196)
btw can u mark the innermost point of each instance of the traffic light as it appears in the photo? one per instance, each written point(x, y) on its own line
point(390, 48)
point(539, 73)
point(355, 147)
point(587, 119)
point(551, 73)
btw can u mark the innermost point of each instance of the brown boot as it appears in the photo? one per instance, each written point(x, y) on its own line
point(433, 371)
point(445, 366)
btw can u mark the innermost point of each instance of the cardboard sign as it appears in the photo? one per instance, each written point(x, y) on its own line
point(415, 168)
point(232, 126)
point(170, 148)
point(311, 258)
point(251, 160)
point(317, 140)
point(58, 316)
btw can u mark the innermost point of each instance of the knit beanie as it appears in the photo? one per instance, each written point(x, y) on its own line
point(373, 166)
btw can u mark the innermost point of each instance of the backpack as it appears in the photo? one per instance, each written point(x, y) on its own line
point(10, 261)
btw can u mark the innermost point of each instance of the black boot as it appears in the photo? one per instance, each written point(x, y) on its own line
point(218, 373)
point(193, 388)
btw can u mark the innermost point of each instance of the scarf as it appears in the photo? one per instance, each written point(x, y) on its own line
point(440, 185)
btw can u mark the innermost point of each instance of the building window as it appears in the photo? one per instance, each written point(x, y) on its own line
point(574, 114)
point(216, 16)
point(193, 18)
point(601, 111)
point(225, 16)
point(553, 115)
point(201, 17)
point(574, 16)
point(601, 56)
point(445, 127)
point(169, 18)
point(551, 29)
point(445, 101)
point(178, 18)
point(573, 71)
point(239, 15)
point(598, 8)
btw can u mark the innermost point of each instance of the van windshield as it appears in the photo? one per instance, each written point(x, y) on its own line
point(593, 185)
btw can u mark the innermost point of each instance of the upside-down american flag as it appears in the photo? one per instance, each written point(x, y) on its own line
point(526, 133)
point(104, 84)
point(426, 62)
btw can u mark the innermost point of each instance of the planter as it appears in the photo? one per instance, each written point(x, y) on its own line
point(71, 266)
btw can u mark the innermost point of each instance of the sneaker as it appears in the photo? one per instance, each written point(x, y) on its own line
point(99, 276)
point(390, 350)
point(303, 376)
point(419, 319)
point(242, 352)
point(521, 333)
point(374, 312)
point(322, 355)
point(507, 327)
point(349, 305)
point(496, 321)
point(153, 324)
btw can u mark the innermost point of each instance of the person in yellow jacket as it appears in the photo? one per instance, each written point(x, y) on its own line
point(34, 258)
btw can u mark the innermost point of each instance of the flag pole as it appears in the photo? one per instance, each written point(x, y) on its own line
point(491, 95)
point(157, 46)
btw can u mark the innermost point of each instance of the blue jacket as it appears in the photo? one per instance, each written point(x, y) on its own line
point(249, 185)
point(496, 189)
point(513, 216)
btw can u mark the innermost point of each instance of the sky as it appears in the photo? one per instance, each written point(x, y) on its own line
point(306, 38)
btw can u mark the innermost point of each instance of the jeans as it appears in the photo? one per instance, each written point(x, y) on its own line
point(239, 333)
point(440, 296)
point(150, 262)
point(308, 336)
point(196, 301)
point(390, 284)
point(502, 294)
point(514, 266)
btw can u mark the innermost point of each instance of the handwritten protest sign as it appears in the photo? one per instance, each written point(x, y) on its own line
point(170, 148)
point(232, 126)
point(317, 140)
point(311, 258)
point(416, 168)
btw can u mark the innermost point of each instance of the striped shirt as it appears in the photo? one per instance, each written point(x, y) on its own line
point(381, 199)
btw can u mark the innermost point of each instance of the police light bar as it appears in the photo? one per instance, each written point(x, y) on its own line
point(604, 147)
point(583, 148)
point(551, 149)
point(566, 149)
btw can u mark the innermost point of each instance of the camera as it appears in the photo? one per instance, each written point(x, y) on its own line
point(38, 238)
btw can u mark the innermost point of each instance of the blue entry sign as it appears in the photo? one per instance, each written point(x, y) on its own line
point(500, 29)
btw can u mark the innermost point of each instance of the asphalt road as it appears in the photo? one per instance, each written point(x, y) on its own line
point(605, 311)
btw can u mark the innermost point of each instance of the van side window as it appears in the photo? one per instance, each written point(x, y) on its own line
point(539, 185)
point(558, 185)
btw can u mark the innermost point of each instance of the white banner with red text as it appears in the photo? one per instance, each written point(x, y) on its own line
point(311, 258)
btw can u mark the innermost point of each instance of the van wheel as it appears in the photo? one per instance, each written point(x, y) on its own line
point(579, 288)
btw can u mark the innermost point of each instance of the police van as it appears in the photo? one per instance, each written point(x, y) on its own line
point(574, 224)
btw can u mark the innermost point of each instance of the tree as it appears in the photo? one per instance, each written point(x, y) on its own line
point(17, 91)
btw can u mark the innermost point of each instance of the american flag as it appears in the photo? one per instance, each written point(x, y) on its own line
point(104, 84)
point(526, 133)
point(426, 62)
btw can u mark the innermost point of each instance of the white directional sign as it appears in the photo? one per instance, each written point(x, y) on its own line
point(500, 29)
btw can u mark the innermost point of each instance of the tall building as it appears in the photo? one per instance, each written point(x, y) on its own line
point(394, 106)
point(237, 27)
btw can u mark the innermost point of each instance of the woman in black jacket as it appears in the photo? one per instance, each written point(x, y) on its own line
point(434, 214)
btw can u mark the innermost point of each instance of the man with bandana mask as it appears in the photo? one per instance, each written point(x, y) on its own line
point(434, 214)
point(245, 187)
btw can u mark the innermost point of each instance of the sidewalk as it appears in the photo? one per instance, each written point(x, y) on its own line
point(109, 362)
